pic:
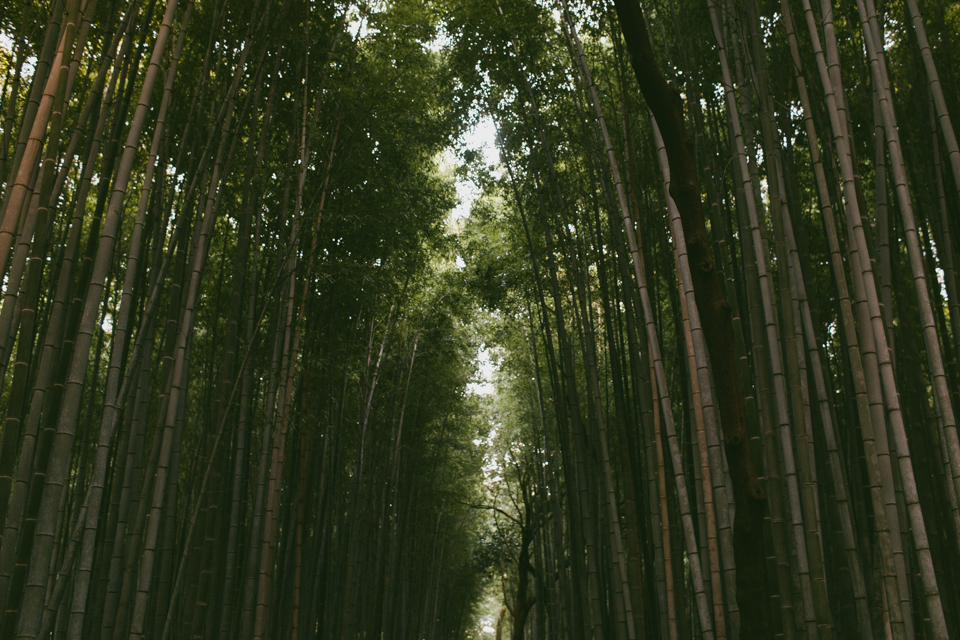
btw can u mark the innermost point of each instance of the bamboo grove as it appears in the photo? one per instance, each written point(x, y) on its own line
point(235, 367)
point(725, 286)
point(715, 265)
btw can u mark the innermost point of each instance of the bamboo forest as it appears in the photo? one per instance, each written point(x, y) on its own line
point(479, 319)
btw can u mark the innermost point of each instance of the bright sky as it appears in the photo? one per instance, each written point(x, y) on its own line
point(483, 138)
point(484, 386)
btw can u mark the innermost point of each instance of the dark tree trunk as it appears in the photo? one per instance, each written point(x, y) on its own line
point(665, 103)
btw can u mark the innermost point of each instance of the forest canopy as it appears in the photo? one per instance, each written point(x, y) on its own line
point(549, 319)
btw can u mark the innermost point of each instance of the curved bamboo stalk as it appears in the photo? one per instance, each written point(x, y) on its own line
point(706, 622)
point(863, 360)
point(915, 254)
point(840, 484)
point(711, 468)
point(931, 340)
point(799, 508)
point(878, 367)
